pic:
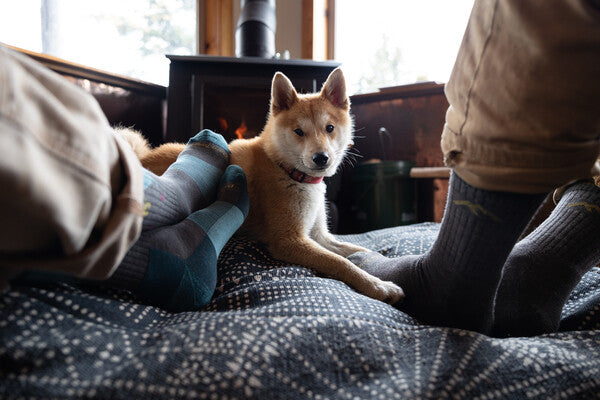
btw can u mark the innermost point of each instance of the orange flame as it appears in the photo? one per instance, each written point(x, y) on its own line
point(223, 124)
point(241, 130)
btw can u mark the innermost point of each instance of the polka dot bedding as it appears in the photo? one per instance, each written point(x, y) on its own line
point(278, 331)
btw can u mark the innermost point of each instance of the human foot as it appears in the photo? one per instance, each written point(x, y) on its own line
point(543, 268)
point(191, 212)
point(189, 184)
point(454, 283)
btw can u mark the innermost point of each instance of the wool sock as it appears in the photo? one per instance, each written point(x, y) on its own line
point(175, 266)
point(544, 267)
point(187, 185)
point(454, 283)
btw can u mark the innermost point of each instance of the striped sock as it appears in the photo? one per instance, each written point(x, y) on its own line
point(187, 185)
point(175, 267)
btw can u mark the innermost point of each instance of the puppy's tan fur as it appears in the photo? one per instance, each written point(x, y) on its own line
point(286, 215)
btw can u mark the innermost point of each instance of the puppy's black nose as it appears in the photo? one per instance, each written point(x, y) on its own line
point(320, 159)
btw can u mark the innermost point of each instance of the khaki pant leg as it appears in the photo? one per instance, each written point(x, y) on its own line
point(71, 190)
point(524, 95)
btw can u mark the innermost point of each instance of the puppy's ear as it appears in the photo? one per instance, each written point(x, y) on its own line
point(334, 90)
point(283, 94)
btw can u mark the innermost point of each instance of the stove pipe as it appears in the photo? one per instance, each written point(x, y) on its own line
point(255, 31)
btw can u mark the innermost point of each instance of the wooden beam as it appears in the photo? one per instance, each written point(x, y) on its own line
point(307, 29)
point(227, 28)
point(318, 29)
point(200, 27)
point(430, 172)
point(218, 27)
point(330, 29)
point(79, 71)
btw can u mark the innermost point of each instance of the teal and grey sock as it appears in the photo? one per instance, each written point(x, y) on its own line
point(175, 266)
point(454, 283)
point(187, 185)
point(544, 267)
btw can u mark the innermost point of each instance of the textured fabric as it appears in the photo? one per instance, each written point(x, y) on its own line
point(524, 95)
point(277, 331)
point(545, 266)
point(72, 190)
point(175, 265)
point(187, 185)
point(459, 276)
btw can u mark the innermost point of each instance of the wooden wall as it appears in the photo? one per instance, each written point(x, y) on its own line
point(412, 117)
point(125, 101)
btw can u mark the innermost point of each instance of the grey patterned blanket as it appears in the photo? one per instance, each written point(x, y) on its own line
point(277, 331)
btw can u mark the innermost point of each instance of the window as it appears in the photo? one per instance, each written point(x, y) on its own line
point(393, 42)
point(128, 37)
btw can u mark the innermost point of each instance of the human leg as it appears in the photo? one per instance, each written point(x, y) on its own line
point(174, 265)
point(72, 192)
point(521, 121)
point(544, 267)
point(187, 185)
point(523, 96)
point(454, 283)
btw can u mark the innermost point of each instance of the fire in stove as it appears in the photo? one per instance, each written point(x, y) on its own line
point(223, 124)
point(240, 131)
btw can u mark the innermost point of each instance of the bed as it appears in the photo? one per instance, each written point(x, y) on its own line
point(278, 331)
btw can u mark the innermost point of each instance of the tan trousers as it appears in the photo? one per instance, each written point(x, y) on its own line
point(71, 191)
point(524, 95)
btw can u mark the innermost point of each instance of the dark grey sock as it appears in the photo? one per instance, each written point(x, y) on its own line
point(454, 283)
point(545, 266)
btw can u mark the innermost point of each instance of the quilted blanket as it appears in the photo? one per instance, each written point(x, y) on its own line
point(278, 331)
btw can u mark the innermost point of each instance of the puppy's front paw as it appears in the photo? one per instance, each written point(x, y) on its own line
point(386, 291)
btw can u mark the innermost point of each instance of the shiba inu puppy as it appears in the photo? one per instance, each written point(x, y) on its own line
point(304, 140)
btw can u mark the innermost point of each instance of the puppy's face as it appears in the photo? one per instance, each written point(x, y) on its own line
point(313, 131)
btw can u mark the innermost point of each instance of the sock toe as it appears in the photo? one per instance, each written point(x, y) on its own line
point(234, 174)
point(208, 136)
point(203, 160)
point(233, 188)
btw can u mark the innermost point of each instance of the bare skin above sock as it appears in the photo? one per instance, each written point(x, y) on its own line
point(454, 283)
point(544, 267)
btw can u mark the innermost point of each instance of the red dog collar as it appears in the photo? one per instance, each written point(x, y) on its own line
point(300, 176)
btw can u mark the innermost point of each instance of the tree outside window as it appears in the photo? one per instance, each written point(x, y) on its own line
point(128, 37)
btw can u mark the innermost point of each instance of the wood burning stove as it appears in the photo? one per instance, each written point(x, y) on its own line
point(228, 94)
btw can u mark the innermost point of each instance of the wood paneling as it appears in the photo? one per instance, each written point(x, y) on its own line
point(218, 32)
point(124, 101)
point(318, 29)
point(307, 29)
point(412, 119)
point(330, 29)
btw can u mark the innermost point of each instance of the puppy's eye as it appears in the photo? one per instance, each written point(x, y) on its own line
point(329, 128)
point(299, 132)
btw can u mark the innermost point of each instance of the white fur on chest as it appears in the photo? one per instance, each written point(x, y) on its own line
point(308, 203)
